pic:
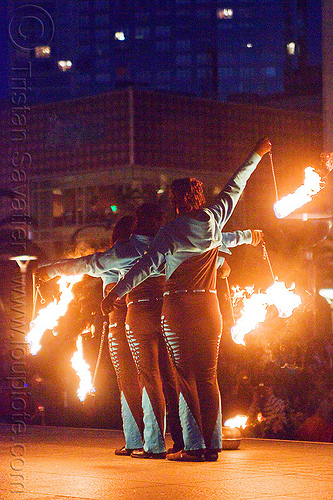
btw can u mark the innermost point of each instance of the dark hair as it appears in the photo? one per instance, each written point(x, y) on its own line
point(186, 195)
point(148, 219)
point(122, 229)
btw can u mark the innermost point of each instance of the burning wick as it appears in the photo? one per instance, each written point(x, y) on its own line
point(82, 370)
point(255, 307)
point(313, 183)
point(48, 317)
point(238, 421)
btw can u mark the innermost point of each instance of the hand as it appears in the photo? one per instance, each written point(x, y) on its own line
point(107, 303)
point(257, 236)
point(224, 270)
point(263, 146)
point(42, 274)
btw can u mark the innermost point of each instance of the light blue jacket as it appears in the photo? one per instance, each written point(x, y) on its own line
point(110, 265)
point(185, 237)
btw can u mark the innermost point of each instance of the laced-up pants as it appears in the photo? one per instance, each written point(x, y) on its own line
point(192, 326)
point(156, 373)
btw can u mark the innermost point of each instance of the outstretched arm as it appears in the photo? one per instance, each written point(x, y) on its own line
point(229, 196)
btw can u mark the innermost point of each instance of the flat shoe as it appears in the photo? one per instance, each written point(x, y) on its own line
point(186, 456)
point(123, 452)
point(147, 454)
point(211, 456)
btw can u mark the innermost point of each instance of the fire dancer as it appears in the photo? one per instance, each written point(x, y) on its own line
point(143, 324)
point(191, 317)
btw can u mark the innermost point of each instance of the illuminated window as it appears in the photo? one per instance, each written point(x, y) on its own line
point(119, 35)
point(291, 48)
point(64, 65)
point(42, 51)
point(225, 13)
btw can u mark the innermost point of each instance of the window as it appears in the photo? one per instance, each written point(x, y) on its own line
point(142, 32)
point(226, 72)
point(43, 51)
point(270, 71)
point(101, 35)
point(163, 75)
point(102, 64)
point(183, 74)
point(162, 45)
point(224, 13)
point(291, 48)
point(119, 35)
point(101, 20)
point(202, 72)
point(103, 77)
point(203, 13)
point(64, 65)
point(183, 44)
point(202, 58)
point(183, 59)
point(163, 30)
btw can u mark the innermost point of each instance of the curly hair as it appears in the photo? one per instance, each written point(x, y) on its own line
point(186, 195)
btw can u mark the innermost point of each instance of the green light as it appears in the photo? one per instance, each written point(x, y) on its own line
point(114, 208)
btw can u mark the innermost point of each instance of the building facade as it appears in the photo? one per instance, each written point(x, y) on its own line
point(208, 48)
point(90, 160)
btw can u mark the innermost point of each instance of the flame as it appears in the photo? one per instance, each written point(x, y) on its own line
point(255, 308)
point(48, 317)
point(83, 371)
point(238, 421)
point(313, 183)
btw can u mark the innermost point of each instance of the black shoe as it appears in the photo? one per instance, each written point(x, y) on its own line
point(174, 449)
point(186, 456)
point(211, 455)
point(147, 454)
point(123, 452)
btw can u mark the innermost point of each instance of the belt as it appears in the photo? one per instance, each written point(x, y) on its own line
point(170, 292)
point(137, 301)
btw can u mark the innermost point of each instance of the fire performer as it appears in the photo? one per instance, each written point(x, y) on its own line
point(143, 324)
point(191, 317)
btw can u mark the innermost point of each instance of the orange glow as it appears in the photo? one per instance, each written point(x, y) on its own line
point(255, 308)
point(82, 370)
point(47, 318)
point(237, 421)
point(313, 183)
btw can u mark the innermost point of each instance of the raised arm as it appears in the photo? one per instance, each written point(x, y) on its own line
point(229, 196)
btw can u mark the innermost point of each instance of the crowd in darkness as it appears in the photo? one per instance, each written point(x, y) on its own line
point(283, 383)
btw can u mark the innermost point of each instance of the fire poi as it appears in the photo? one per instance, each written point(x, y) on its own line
point(255, 307)
point(83, 371)
point(313, 183)
point(48, 317)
